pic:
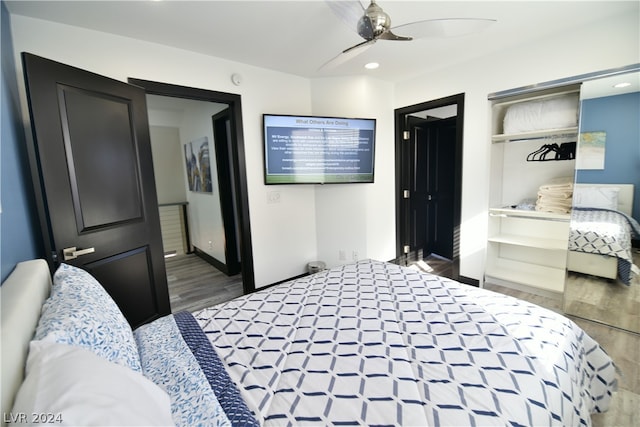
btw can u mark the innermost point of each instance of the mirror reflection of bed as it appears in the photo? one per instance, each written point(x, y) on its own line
point(601, 287)
point(610, 104)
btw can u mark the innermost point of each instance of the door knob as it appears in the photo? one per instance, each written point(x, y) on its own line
point(73, 253)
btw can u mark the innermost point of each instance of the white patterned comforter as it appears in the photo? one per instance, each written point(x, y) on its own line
point(375, 343)
point(604, 232)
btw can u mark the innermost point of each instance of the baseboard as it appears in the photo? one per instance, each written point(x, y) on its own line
point(211, 260)
point(283, 281)
point(469, 281)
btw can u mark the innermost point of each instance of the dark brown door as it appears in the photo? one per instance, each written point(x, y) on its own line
point(222, 136)
point(91, 162)
point(432, 178)
point(428, 152)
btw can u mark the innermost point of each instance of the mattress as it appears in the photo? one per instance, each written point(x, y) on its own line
point(376, 343)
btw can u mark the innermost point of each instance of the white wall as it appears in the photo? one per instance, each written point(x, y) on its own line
point(603, 45)
point(206, 228)
point(190, 120)
point(284, 235)
point(167, 164)
point(314, 222)
point(358, 220)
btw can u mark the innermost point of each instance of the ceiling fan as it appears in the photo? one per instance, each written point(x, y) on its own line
point(373, 24)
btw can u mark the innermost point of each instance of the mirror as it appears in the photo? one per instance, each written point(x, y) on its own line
point(607, 177)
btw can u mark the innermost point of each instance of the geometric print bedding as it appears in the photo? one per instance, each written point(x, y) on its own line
point(375, 343)
point(167, 361)
point(605, 232)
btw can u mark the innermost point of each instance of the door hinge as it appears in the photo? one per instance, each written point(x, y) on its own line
point(406, 135)
point(406, 249)
point(405, 194)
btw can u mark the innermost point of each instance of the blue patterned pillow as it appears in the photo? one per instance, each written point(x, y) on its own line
point(80, 312)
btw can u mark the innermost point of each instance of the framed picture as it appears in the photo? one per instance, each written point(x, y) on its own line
point(196, 156)
point(590, 153)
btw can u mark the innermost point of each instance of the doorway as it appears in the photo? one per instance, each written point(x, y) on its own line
point(429, 182)
point(235, 170)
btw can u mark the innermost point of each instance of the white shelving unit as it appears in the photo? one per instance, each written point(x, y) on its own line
point(539, 134)
point(526, 249)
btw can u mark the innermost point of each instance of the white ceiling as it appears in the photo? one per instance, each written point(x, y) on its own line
point(297, 37)
point(606, 86)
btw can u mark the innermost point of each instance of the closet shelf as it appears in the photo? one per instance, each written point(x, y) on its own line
point(530, 241)
point(537, 276)
point(570, 132)
point(522, 213)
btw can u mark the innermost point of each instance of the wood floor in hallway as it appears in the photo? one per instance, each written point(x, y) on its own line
point(195, 284)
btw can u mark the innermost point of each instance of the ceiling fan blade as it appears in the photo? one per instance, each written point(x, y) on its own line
point(349, 12)
point(448, 27)
point(389, 35)
point(347, 55)
point(358, 49)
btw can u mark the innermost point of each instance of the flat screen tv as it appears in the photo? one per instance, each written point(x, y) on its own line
point(318, 150)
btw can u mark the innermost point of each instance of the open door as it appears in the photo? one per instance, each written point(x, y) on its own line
point(431, 185)
point(93, 172)
point(429, 181)
point(222, 136)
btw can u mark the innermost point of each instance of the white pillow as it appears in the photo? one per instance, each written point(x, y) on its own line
point(596, 197)
point(73, 386)
point(80, 312)
point(554, 113)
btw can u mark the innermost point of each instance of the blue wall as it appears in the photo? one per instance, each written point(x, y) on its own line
point(19, 230)
point(619, 117)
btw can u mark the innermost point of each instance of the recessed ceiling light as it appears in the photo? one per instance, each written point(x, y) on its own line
point(621, 85)
point(371, 65)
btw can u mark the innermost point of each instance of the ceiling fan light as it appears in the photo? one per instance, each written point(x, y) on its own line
point(371, 65)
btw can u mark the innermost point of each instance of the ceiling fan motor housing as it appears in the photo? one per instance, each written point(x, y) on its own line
point(374, 22)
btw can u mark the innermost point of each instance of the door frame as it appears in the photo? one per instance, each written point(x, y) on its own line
point(403, 222)
point(237, 156)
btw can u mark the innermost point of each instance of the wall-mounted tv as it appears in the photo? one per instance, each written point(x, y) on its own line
point(318, 150)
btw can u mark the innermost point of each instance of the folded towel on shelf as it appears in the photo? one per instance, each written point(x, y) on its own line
point(554, 200)
point(553, 209)
point(553, 205)
point(558, 194)
point(563, 183)
point(555, 196)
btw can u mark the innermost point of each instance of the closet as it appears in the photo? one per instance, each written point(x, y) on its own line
point(533, 143)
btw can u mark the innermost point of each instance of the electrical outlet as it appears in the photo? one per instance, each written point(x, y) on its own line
point(273, 197)
point(210, 244)
point(342, 256)
point(354, 255)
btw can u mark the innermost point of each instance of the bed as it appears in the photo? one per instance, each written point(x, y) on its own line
point(601, 231)
point(370, 343)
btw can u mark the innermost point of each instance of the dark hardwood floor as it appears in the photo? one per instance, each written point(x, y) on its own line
point(195, 284)
point(434, 264)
